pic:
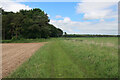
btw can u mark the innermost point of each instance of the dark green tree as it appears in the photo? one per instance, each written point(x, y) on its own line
point(32, 23)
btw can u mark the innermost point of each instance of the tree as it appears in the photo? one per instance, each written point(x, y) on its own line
point(65, 34)
point(59, 32)
point(32, 23)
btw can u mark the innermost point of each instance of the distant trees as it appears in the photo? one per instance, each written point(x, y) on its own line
point(88, 35)
point(65, 34)
point(32, 23)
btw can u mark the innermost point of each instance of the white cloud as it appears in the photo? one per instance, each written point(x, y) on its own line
point(58, 16)
point(91, 10)
point(67, 19)
point(100, 0)
point(66, 0)
point(96, 10)
point(70, 26)
point(21, 0)
point(48, 15)
point(9, 5)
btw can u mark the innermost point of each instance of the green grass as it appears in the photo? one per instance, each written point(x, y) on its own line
point(62, 58)
point(113, 40)
point(26, 41)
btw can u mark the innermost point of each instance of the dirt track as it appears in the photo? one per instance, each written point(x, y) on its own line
point(14, 54)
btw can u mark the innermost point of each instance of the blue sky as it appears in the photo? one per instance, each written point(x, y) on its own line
point(76, 17)
point(64, 9)
point(57, 8)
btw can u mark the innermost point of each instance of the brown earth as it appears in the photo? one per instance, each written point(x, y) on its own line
point(14, 54)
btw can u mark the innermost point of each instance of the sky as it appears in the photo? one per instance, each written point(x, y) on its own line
point(84, 17)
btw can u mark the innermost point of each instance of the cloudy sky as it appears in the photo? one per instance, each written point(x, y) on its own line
point(84, 17)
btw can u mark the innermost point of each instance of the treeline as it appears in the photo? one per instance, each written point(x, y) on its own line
point(29, 24)
point(78, 35)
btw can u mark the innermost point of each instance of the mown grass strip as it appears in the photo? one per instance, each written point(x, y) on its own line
point(49, 61)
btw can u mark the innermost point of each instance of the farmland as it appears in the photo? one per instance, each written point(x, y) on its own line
point(59, 40)
point(72, 58)
point(14, 54)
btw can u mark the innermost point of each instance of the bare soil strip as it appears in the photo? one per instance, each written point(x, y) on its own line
point(14, 54)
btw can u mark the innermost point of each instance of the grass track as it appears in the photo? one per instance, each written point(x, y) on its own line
point(67, 59)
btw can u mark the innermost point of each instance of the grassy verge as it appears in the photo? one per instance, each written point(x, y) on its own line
point(68, 59)
point(25, 41)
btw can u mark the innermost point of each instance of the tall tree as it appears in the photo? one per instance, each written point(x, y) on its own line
point(32, 23)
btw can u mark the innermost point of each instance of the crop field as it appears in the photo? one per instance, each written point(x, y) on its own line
point(72, 58)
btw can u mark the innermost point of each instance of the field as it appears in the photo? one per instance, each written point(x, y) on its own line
point(72, 58)
point(15, 54)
